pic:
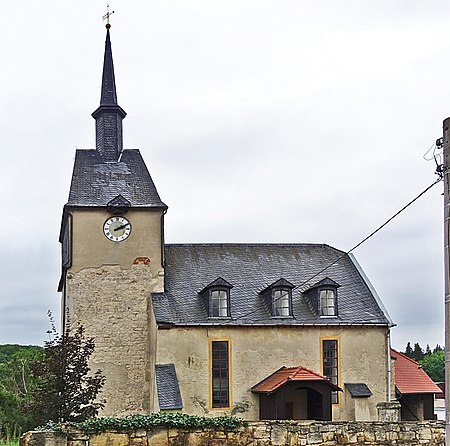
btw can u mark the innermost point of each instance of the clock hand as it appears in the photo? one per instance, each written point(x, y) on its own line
point(121, 227)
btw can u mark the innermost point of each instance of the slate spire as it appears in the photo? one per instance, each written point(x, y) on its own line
point(108, 116)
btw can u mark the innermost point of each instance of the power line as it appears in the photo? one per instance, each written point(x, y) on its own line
point(374, 232)
point(358, 244)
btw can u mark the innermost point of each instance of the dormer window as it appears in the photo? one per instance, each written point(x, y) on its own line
point(281, 302)
point(278, 297)
point(322, 298)
point(218, 303)
point(216, 297)
point(327, 302)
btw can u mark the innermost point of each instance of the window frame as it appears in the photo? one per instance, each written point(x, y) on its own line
point(275, 299)
point(227, 300)
point(211, 373)
point(319, 298)
point(335, 378)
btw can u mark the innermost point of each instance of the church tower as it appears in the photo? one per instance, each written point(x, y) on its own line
point(112, 256)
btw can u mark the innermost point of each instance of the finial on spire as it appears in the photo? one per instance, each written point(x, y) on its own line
point(106, 16)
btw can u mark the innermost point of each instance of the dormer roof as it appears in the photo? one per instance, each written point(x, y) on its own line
point(280, 283)
point(219, 283)
point(326, 282)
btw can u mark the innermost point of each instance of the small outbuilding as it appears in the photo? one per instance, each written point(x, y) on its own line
point(414, 389)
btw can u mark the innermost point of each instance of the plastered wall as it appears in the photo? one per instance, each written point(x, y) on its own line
point(257, 352)
point(90, 247)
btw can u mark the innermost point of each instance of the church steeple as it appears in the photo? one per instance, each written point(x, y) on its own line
point(108, 116)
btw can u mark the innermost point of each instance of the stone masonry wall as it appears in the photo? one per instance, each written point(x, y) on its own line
point(262, 433)
point(113, 305)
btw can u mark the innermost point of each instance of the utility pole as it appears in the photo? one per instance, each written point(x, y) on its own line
point(446, 173)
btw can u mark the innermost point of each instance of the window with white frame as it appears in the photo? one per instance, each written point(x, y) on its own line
point(218, 304)
point(327, 302)
point(281, 302)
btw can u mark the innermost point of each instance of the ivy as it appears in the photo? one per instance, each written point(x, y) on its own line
point(134, 422)
point(52, 427)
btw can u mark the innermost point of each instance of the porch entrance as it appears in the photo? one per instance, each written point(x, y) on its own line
point(288, 394)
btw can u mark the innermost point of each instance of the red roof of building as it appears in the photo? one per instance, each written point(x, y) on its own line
point(410, 377)
point(287, 374)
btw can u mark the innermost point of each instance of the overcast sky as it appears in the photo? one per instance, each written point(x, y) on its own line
point(260, 121)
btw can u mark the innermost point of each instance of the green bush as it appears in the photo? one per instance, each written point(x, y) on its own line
point(133, 422)
point(434, 366)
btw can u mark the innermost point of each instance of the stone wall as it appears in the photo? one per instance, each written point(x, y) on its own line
point(262, 433)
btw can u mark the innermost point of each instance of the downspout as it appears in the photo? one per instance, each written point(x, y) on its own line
point(163, 261)
point(389, 368)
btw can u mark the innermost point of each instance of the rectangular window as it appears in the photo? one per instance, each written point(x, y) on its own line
point(327, 303)
point(330, 364)
point(220, 371)
point(219, 303)
point(281, 303)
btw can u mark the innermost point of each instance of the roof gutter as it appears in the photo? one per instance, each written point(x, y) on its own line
point(241, 325)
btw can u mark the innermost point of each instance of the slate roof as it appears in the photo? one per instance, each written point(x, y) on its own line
point(251, 268)
point(108, 94)
point(358, 390)
point(95, 182)
point(288, 374)
point(410, 377)
point(169, 396)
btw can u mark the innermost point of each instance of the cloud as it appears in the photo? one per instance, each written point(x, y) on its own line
point(260, 121)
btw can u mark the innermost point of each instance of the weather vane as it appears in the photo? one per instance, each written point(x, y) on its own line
point(106, 16)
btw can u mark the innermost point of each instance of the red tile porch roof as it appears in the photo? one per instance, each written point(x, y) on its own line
point(287, 374)
point(410, 377)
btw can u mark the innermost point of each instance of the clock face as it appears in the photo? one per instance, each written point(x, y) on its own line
point(117, 229)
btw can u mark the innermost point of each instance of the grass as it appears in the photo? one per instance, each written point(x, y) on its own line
point(10, 443)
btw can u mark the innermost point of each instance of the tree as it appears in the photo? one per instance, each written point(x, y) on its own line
point(16, 386)
point(417, 353)
point(408, 351)
point(434, 366)
point(66, 390)
point(428, 350)
point(438, 348)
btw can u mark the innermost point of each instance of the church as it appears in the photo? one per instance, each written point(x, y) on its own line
point(261, 331)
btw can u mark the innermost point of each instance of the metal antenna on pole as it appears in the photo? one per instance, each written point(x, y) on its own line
point(107, 15)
